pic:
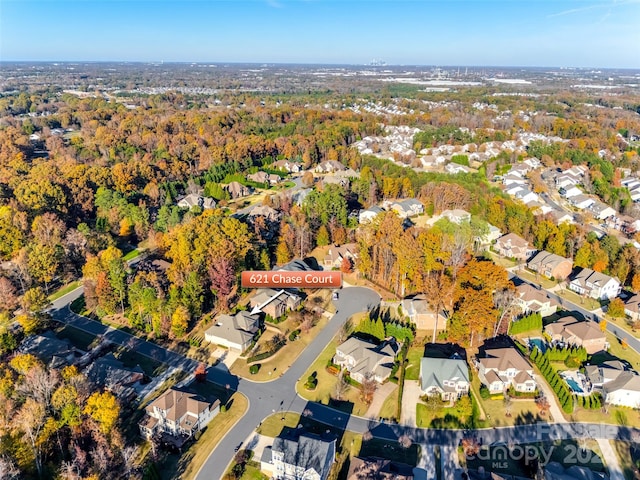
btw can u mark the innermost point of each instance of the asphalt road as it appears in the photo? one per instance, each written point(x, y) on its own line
point(279, 395)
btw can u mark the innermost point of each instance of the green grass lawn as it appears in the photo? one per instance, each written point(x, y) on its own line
point(64, 290)
point(585, 302)
point(82, 340)
point(414, 356)
point(390, 405)
point(323, 393)
point(540, 280)
point(132, 254)
point(616, 350)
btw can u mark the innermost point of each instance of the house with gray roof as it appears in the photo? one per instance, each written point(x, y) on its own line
point(299, 456)
point(367, 215)
point(329, 166)
point(109, 372)
point(618, 384)
point(264, 177)
point(237, 190)
point(447, 377)
point(195, 200)
point(595, 285)
point(235, 332)
point(632, 307)
point(419, 311)
point(362, 358)
point(409, 207)
point(50, 349)
point(550, 265)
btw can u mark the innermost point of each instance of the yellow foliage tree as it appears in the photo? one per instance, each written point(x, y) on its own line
point(104, 409)
point(23, 362)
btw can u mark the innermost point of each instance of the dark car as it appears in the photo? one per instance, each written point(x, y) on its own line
point(335, 295)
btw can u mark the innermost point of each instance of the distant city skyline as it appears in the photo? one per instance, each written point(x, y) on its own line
point(560, 33)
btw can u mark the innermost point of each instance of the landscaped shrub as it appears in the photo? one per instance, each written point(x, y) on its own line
point(333, 370)
point(484, 392)
point(294, 335)
point(526, 324)
point(255, 368)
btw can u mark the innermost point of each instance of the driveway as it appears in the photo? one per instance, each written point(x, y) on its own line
point(554, 409)
point(426, 467)
point(450, 463)
point(610, 459)
point(382, 392)
point(410, 398)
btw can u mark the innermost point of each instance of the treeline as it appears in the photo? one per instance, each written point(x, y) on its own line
point(380, 329)
point(557, 383)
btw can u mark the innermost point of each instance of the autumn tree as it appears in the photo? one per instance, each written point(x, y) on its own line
point(223, 279)
point(104, 409)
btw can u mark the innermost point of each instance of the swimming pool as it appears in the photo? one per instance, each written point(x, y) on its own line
point(573, 385)
point(538, 342)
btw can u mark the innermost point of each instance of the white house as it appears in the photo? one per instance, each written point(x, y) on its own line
point(178, 413)
point(619, 386)
point(456, 216)
point(195, 200)
point(409, 207)
point(581, 201)
point(362, 358)
point(571, 191)
point(299, 456)
point(454, 168)
point(602, 211)
point(595, 285)
point(235, 332)
point(367, 216)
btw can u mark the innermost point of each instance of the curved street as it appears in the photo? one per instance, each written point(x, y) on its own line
point(279, 395)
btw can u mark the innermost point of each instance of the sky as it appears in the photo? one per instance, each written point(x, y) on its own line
point(551, 33)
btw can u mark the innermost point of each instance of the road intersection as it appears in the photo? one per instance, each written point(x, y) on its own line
point(279, 395)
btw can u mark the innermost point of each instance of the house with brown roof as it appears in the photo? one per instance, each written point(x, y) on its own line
point(329, 166)
point(513, 246)
point(501, 368)
point(336, 254)
point(595, 285)
point(275, 303)
point(362, 358)
point(237, 190)
point(550, 265)
point(287, 166)
point(233, 331)
point(195, 200)
point(378, 469)
point(264, 177)
point(571, 331)
point(178, 413)
point(632, 307)
point(420, 313)
point(531, 299)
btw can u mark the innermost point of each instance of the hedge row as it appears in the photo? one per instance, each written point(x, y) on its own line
point(526, 324)
point(557, 383)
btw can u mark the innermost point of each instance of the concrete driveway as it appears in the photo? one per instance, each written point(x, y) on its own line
point(554, 409)
point(379, 397)
point(410, 398)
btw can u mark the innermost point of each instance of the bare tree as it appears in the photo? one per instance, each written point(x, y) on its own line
point(68, 471)
point(345, 331)
point(405, 441)
point(129, 453)
point(368, 389)
point(341, 386)
point(505, 302)
point(8, 470)
point(30, 420)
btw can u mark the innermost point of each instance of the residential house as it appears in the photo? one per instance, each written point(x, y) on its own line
point(336, 255)
point(447, 377)
point(264, 177)
point(270, 214)
point(409, 207)
point(299, 456)
point(235, 332)
point(570, 191)
point(367, 216)
point(109, 372)
point(581, 201)
point(619, 385)
point(551, 265)
point(335, 180)
point(570, 331)
point(556, 471)
point(50, 349)
point(531, 299)
point(632, 307)
point(178, 413)
point(595, 285)
point(275, 303)
point(513, 246)
point(513, 179)
point(456, 216)
point(329, 166)
point(378, 469)
point(566, 180)
point(237, 190)
point(560, 216)
point(602, 211)
point(482, 242)
point(455, 168)
point(421, 314)
point(526, 196)
point(195, 200)
point(501, 368)
point(299, 195)
point(348, 173)
point(362, 358)
point(287, 166)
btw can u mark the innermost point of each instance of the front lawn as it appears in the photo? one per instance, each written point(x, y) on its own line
point(585, 302)
point(389, 408)
point(324, 391)
point(62, 291)
point(616, 350)
point(276, 365)
point(414, 358)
